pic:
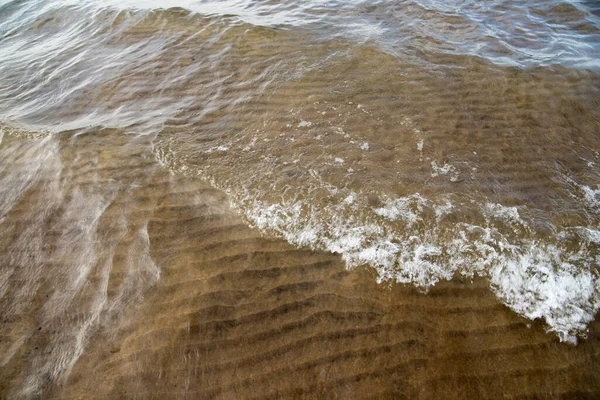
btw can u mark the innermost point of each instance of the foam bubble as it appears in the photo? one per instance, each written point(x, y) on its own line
point(406, 208)
point(445, 169)
point(537, 280)
point(304, 124)
point(502, 212)
point(591, 196)
point(536, 284)
point(420, 145)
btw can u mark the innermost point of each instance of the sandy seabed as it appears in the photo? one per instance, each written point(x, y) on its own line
point(123, 280)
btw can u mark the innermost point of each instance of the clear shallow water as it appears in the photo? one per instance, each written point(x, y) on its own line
point(429, 140)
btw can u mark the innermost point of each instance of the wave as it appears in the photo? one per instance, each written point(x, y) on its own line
point(513, 33)
point(395, 183)
point(427, 157)
point(554, 278)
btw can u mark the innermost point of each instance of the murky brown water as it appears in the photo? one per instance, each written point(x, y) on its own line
point(275, 199)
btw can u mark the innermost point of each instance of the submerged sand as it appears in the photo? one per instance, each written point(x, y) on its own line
point(181, 299)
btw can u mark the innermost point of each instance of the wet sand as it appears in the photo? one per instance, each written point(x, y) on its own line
point(183, 300)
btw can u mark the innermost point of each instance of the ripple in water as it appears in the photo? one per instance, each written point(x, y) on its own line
point(427, 139)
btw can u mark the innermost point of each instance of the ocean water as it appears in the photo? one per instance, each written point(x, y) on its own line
point(428, 140)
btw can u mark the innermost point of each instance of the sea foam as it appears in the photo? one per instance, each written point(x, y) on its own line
point(537, 279)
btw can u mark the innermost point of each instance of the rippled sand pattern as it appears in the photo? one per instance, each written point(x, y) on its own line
point(181, 299)
point(299, 200)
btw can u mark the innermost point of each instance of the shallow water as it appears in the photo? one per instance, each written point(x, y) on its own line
point(428, 140)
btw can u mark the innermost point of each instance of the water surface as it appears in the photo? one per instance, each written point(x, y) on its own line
point(429, 140)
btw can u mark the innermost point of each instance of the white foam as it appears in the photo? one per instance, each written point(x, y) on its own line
point(591, 196)
point(405, 208)
point(501, 212)
point(535, 280)
point(305, 124)
point(552, 276)
point(442, 209)
point(350, 199)
point(592, 235)
point(420, 145)
point(536, 284)
point(215, 149)
point(445, 169)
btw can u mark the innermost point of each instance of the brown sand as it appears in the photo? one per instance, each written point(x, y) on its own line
point(234, 315)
